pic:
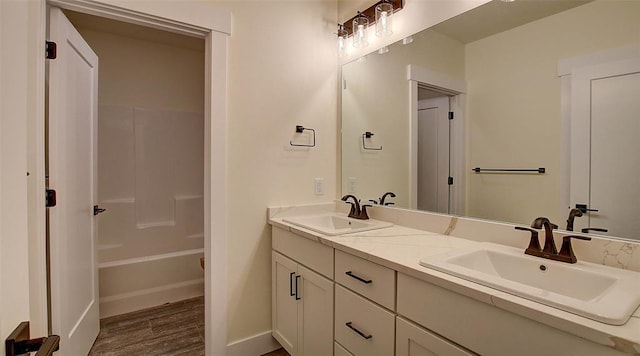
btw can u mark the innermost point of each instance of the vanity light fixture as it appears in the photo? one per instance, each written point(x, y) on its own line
point(379, 14)
point(342, 41)
point(407, 40)
point(383, 50)
point(384, 26)
point(360, 24)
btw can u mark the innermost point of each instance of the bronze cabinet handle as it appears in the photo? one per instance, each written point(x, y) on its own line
point(365, 281)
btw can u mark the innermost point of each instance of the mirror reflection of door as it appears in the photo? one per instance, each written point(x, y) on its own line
point(433, 152)
point(606, 97)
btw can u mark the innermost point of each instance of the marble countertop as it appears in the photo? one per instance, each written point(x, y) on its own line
point(401, 248)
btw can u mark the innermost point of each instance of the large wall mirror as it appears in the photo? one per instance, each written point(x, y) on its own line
point(532, 84)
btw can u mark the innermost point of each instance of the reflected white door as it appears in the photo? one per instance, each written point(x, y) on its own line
point(72, 128)
point(433, 154)
point(607, 114)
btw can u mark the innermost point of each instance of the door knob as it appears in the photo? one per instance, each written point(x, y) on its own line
point(97, 210)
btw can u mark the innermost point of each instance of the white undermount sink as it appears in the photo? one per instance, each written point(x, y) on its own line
point(335, 223)
point(606, 294)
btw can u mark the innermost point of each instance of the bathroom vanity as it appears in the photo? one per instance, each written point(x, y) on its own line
point(365, 293)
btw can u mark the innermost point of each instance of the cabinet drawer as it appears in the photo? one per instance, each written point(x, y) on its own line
point(362, 327)
point(412, 340)
point(310, 253)
point(372, 280)
point(338, 350)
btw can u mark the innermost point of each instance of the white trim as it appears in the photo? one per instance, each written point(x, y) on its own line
point(457, 90)
point(567, 65)
point(435, 79)
point(36, 213)
point(259, 344)
point(150, 297)
point(214, 25)
point(163, 256)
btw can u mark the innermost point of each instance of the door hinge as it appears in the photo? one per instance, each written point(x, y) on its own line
point(450, 181)
point(50, 198)
point(50, 50)
point(450, 115)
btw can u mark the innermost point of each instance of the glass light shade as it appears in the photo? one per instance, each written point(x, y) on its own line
point(384, 25)
point(342, 41)
point(383, 50)
point(360, 25)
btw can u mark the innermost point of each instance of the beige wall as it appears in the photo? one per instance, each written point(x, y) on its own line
point(376, 99)
point(514, 105)
point(150, 164)
point(282, 73)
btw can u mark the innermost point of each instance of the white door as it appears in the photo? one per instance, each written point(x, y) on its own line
point(72, 127)
point(315, 314)
point(433, 154)
point(605, 145)
point(284, 304)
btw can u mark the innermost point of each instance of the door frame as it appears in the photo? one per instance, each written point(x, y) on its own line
point(456, 89)
point(187, 19)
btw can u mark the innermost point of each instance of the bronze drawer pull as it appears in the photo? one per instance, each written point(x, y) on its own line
point(365, 281)
point(350, 326)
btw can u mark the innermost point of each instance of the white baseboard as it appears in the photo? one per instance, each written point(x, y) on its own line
point(256, 345)
point(146, 298)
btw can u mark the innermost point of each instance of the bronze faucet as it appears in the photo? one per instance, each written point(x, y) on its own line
point(573, 213)
point(382, 200)
point(357, 211)
point(549, 251)
point(549, 244)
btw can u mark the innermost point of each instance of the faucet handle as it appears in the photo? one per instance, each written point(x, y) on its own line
point(566, 251)
point(363, 212)
point(534, 243)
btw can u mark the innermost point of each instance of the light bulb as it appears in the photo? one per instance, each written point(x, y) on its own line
point(360, 24)
point(383, 19)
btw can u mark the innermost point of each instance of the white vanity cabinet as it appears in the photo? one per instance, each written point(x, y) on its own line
point(302, 299)
point(482, 327)
point(365, 301)
point(413, 340)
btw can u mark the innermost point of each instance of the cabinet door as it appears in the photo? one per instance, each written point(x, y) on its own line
point(412, 340)
point(315, 314)
point(284, 306)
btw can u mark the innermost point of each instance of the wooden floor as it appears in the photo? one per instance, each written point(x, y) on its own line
point(170, 329)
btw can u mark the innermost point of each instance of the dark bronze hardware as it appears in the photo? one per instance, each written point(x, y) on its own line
point(350, 326)
point(573, 213)
point(534, 243)
point(549, 251)
point(50, 50)
point(566, 251)
point(98, 210)
point(291, 283)
point(584, 208)
point(50, 198)
point(357, 211)
point(509, 170)
point(364, 146)
point(365, 281)
point(549, 244)
point(297, 279)
point(19, 342)
point(384, 196)
point(300, 129)
point(596, 229)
